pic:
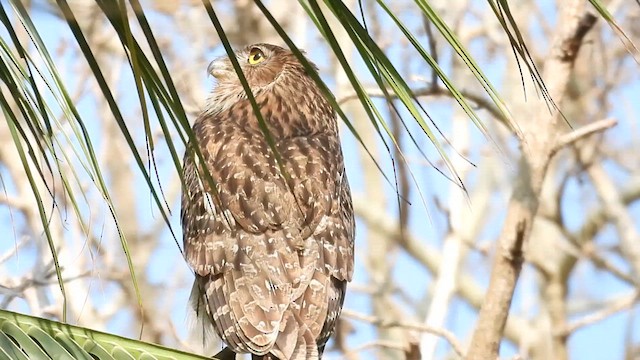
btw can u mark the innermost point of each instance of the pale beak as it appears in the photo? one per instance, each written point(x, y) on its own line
point(218, 67)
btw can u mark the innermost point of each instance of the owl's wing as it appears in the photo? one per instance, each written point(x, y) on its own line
point(250, 200)
point(320, 183)
point(261, 237)
point(241, 236)
point(254, 196)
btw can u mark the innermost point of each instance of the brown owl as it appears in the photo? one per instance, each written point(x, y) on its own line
point(272, 244)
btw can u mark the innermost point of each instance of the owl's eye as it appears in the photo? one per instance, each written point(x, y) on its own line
point(256, 56)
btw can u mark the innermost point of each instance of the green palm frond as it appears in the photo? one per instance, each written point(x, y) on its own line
point(28, 337)
point(606, 15)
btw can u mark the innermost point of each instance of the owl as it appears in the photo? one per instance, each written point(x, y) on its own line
point(268, 227)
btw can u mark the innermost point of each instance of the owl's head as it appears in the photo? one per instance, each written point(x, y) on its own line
point(269, 70)
point(262, 65)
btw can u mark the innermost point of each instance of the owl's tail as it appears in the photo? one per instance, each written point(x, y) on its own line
point(296, 341)
point(264, 357)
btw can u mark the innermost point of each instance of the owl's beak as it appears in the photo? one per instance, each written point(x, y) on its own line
point(218, 67)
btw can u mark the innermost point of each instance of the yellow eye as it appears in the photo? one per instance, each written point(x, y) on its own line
point(256, 56)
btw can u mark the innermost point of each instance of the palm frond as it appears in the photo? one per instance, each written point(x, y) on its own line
point(29, 337)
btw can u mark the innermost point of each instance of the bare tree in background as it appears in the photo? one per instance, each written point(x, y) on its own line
point(549, 203)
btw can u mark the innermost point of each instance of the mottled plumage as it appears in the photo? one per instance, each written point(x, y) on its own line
point(272, 253)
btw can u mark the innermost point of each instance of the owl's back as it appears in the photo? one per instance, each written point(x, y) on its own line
point(272, 241)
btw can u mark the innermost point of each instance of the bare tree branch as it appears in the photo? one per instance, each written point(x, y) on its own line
point(539, 138)
point(447, 335)
point(583, 132)
point(617, 305)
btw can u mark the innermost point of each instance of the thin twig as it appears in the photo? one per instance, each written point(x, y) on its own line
point(447, 335)
point(583, 132)
point(592, 253)
point(24, 240)
point(378, 343)
point(617, 305)
point(478, 99)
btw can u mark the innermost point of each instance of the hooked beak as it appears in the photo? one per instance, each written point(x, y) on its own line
point(218, 67)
